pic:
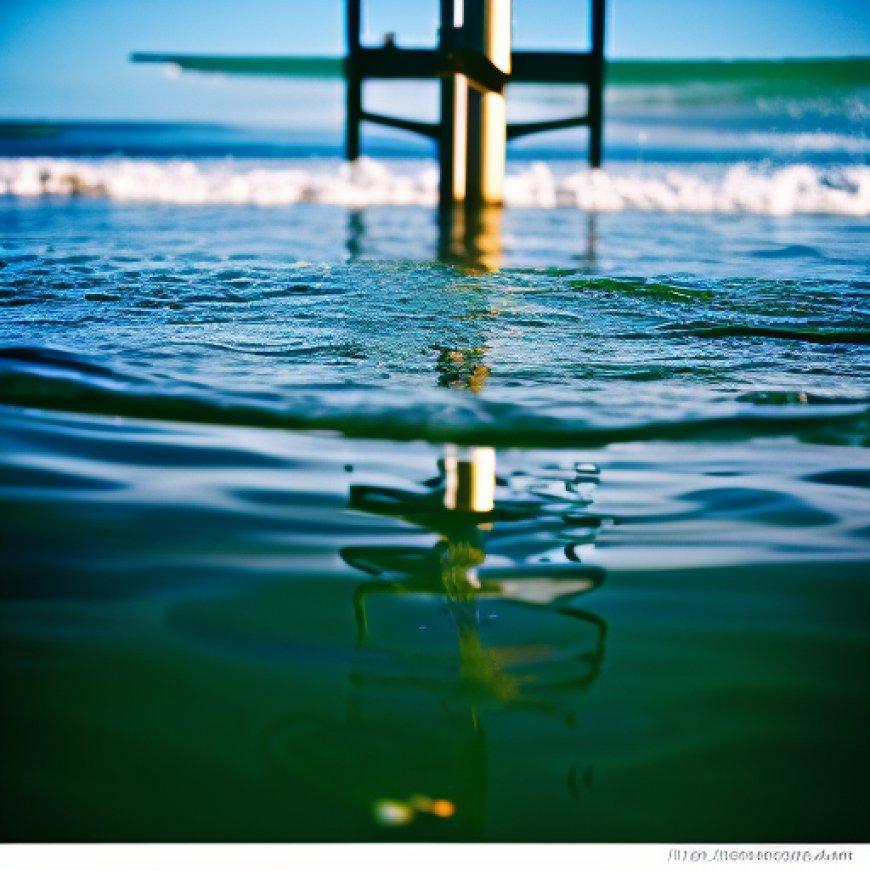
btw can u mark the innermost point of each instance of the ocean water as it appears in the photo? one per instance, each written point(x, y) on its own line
point(327, 517)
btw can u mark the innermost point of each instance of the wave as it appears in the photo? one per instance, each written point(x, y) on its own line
point(792, 74)
point(731, 189)
point(831, 88)
point(52, 380)
point(743, 330)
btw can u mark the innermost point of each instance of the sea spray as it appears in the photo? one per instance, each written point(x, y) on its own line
point(741, 188)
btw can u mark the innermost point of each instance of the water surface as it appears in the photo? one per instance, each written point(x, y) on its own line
point(332, 522)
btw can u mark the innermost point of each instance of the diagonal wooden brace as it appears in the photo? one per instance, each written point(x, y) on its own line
point(482, 74)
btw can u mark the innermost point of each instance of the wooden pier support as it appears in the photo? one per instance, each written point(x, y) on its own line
point(474, 61)
point(488, 33)
point(595, 99)
point(452, 135)
point(353, 80)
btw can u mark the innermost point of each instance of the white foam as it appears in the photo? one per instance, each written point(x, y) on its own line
point(809, 142)
point(734, 189)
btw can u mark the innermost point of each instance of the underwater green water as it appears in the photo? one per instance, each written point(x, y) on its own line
point(209, 640)
point(315, 528)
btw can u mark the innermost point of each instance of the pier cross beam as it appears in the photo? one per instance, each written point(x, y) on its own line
point(474, 61)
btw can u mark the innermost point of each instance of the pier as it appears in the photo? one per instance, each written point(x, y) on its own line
point(475, 62)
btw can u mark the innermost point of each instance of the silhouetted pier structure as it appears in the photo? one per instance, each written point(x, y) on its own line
point(474, 61)
point(471, 36)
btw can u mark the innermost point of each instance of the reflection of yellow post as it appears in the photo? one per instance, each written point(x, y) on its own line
point(488, 24)
point(469, 479)
point(483, 237)
point(471, 236)
point(469, 486)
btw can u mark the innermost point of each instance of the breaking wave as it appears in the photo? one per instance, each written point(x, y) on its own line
point(724, 189)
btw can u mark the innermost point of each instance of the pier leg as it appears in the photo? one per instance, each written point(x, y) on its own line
point(454, 111)
point(488, 29)
point(596, 84)
point(353, 109)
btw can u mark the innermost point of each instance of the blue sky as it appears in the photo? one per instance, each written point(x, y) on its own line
point(68, 58)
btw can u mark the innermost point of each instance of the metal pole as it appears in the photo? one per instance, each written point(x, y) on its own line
point(488, 30)
point(353, 80)
point(596, 84)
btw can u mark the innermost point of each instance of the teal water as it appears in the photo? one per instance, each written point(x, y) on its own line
point(349, 524)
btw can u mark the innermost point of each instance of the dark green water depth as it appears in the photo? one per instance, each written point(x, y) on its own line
point(206, 640)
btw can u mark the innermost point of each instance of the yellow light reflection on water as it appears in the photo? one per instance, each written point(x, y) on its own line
point(394, 813)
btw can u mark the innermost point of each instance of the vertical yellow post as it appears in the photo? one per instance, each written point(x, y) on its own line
point(488, 24)
point(452, 145)
point(460, 136)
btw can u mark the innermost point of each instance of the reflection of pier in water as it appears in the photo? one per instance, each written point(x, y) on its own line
point(459, 635)
point(469, 237)
point(483, 620)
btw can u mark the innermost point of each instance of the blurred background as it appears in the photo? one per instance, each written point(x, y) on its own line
point(61, 60)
